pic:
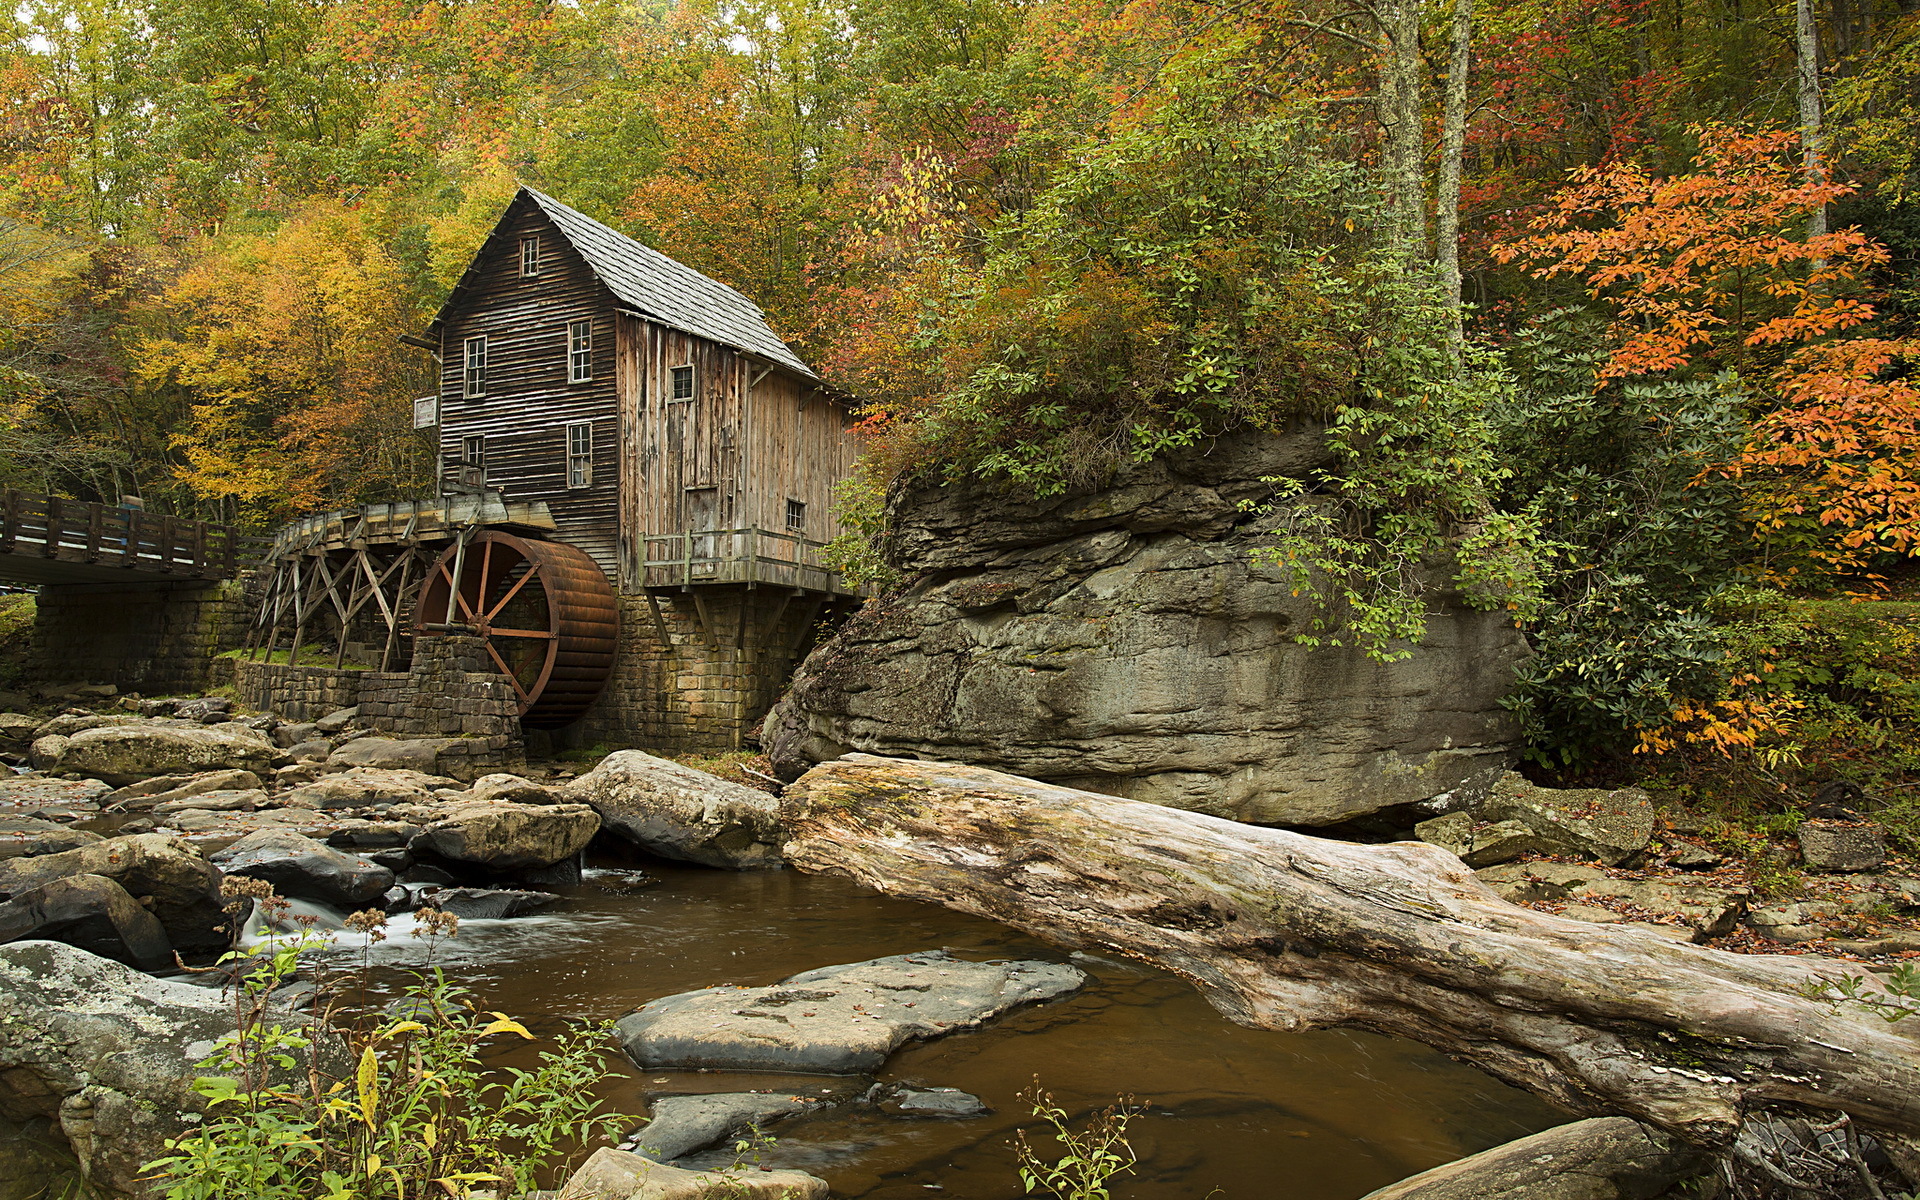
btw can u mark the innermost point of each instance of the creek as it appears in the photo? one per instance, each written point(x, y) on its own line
point(1233, 1112)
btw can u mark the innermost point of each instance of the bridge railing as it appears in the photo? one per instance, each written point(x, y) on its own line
point(81, 531)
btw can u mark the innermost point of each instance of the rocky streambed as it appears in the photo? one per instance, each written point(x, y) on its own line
point(872, 1045)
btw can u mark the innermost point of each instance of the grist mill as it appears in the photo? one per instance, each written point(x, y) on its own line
point(635, 478)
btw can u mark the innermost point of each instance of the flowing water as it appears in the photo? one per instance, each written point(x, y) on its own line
point(1234, 1112)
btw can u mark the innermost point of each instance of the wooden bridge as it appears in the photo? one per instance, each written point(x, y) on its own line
point(47, 539)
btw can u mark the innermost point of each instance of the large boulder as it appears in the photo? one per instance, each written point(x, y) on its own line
point(105, 1054)
point(1123, 637)
point(1612, 826)
point(367, 787)
point(123, 754)
point(680, 813)
point(22, 837)
point(1841, 846)
point(1606, 1158)
point(21, 792)
point(616, 1175)
point(1702, 909)
point(840, 1020)
point(300, 867)
point(16, 732)
point(163, 789)
point(502, 838)
point(166, 873)
point(93, 913)
point(389, 754)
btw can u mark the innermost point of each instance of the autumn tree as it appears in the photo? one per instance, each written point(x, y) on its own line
point(284, 344)
point(1718, 267)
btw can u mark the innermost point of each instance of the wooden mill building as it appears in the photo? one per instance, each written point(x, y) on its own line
point(636, 483)
point(639, 399)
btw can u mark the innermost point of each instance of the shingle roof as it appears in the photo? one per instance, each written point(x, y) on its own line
point(671, 293)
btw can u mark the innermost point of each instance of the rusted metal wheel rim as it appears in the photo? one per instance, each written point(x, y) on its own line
point(545, 611)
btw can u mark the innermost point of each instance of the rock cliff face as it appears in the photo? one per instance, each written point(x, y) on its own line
point(1123, 640)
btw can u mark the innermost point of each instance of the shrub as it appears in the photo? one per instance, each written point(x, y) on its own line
point(399, 1106)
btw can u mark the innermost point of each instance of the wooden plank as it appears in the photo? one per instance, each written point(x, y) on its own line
point(50, 548)
point(660, 625)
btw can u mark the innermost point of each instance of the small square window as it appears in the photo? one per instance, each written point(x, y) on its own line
point(530, 256)
point(473, 460)
point(681, 384)
point(580, 454)
point(476, 366)
point(796, 516)
point(580, 351)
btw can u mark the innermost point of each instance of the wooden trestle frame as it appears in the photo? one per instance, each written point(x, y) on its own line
point(332, 587)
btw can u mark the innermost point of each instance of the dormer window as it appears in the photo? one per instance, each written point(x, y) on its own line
point(530, 255)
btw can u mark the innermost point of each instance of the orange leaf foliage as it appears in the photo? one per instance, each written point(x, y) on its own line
point(1718, 265)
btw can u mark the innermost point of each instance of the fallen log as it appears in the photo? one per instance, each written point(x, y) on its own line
point(1281, 930)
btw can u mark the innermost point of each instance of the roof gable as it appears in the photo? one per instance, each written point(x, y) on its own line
point(658, 288)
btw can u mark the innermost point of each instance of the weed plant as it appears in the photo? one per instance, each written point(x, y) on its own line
point(1090, 1158)
point(395, 1105)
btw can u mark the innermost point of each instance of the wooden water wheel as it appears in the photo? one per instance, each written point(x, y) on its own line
point(545, 610)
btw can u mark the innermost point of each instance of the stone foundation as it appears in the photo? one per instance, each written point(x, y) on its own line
point(449, 692)
point(153, 638)
point(695, 673)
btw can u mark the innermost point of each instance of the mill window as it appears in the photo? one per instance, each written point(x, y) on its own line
point(580, 454)
point(580, 351)
point(530, 256)
point(476, 366)
point(680, 385)
point(473, 460)
point(796, 516)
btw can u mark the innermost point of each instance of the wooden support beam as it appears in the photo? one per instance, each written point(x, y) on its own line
point(660, 624)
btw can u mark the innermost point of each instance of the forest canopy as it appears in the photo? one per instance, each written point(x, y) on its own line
point(1611, 299)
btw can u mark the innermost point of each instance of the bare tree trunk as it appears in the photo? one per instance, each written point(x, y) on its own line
point(1284, 931)
point(1453, 146)
point(1401, 104)
point(1813, 149)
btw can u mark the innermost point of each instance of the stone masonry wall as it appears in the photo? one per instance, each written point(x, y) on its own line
point(449, 692)
point(704, 688)
point(151, 638)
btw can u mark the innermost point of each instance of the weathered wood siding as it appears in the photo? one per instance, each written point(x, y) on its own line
point(799, 449)
point(529, 400)
point(680, 459)
point(726, 459)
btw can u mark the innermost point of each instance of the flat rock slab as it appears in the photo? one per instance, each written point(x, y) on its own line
point(840, 1020)
point(684, 1124)
point(616, 1175)
point(945, 1102)
point(39, 791)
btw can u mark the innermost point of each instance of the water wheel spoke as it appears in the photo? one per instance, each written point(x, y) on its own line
point(453, 589)
point(512, 591)
point(571, 606)
point(507, 671)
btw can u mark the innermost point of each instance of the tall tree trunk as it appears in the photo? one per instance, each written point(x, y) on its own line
point(1806, 44)
point(1453, 144)
point(1284, 931)
point(1402, 99)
